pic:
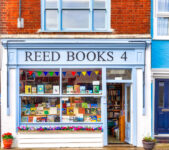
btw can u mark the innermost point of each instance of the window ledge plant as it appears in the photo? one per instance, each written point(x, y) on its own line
point(63, 128)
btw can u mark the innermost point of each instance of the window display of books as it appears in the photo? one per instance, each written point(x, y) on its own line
point(42, 100)
point(42, 89)
point(81, 110)
point(79, 89)
point(40, 111)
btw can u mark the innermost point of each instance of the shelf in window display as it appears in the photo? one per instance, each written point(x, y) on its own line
point(43, 115)
point(117, 110)
point(58, 95)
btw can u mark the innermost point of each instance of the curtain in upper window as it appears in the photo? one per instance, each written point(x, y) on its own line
point(162, 20)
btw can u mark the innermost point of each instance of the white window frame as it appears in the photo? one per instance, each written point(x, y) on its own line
point(91, 19)
point(157, 14)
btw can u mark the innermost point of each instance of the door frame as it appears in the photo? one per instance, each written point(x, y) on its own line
point(156, 132)
point(130, 83)
point(127, 85)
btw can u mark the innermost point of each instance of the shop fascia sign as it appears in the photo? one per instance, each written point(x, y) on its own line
point(72, 56)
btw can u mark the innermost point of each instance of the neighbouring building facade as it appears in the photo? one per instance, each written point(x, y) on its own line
point(160, 68)
point(75, 73)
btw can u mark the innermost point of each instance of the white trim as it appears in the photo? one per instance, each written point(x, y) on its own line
point(72, 36)
point(157, 14)
point(160, 73)
point(161, 135)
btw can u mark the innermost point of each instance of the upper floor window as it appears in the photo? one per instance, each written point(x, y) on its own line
point(75, 15)
point(162, 18)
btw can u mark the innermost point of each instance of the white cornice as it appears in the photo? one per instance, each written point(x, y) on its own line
point(75, 36)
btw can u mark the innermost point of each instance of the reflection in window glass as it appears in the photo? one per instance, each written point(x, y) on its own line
point(119, 74)
point(40, 109)
point(51, 19)
point(99, 3)
point(163, 6)
point(51, 3)
point(75, 3)
point(82, 81)
point(161, 94)
point(75, 19)
point(99, 19)
point(75, 109)
point(39, 81)
point(162, 26)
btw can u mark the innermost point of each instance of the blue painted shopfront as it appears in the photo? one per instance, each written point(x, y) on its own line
point(78, 53)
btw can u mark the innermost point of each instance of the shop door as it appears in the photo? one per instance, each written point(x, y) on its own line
point(162, 106)
point(127, 113)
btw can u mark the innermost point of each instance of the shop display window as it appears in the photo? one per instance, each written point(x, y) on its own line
point(82, 81)
point(81, 109)
point(39, 81)
point(42, 100)
point(40, 109)
point(118, 74)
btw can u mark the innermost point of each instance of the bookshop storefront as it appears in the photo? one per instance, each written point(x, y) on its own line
point(73, 93)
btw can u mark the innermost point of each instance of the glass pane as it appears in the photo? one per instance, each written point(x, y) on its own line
point(162, 26)
point(99, 4)
point(75, 3)
point(128, 104)
point(118, 74)
point(40, 109)
point(51, 19)
point(161, 94)
point(39, 81)
point(99, 19)
point(163, 5)
point(78, 19)
point(82, 81)
point(51, 3)
point(81, 109)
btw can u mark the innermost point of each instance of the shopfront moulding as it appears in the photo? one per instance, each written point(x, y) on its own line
point(14, 48)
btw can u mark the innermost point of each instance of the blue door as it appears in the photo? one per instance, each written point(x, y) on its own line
point(162, 106)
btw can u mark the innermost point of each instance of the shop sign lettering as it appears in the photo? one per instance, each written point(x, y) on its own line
point(70, 56)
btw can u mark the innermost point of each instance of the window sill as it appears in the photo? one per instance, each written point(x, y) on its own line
point(161, 38)
point(77, 31)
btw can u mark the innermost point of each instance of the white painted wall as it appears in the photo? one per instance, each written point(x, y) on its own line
point(144, 120)
point(8, 123)
point(60, 140)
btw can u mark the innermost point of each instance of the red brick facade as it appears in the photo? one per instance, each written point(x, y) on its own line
point(127, 16)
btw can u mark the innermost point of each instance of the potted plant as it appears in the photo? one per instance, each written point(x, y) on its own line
point(148, 143)
point(7, 140)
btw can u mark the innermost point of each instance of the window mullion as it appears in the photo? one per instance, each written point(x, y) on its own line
point(61, 93)
point(60, 15)
point(91, 17)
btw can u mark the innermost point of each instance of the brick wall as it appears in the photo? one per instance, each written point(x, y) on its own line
point(127, 17)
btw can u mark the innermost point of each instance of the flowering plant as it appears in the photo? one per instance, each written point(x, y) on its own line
point(61, 128)
point(7, 136)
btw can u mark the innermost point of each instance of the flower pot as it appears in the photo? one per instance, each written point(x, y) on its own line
point(148, 145)
point(7, 143)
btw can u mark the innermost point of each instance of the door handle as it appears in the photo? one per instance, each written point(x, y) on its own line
point(165, 110)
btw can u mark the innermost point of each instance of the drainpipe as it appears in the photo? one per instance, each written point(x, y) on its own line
point(20, 19)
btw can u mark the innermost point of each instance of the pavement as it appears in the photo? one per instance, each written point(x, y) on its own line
point(110, 147)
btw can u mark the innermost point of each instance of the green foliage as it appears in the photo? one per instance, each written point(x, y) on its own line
point(149, 139)
point(7, 136)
